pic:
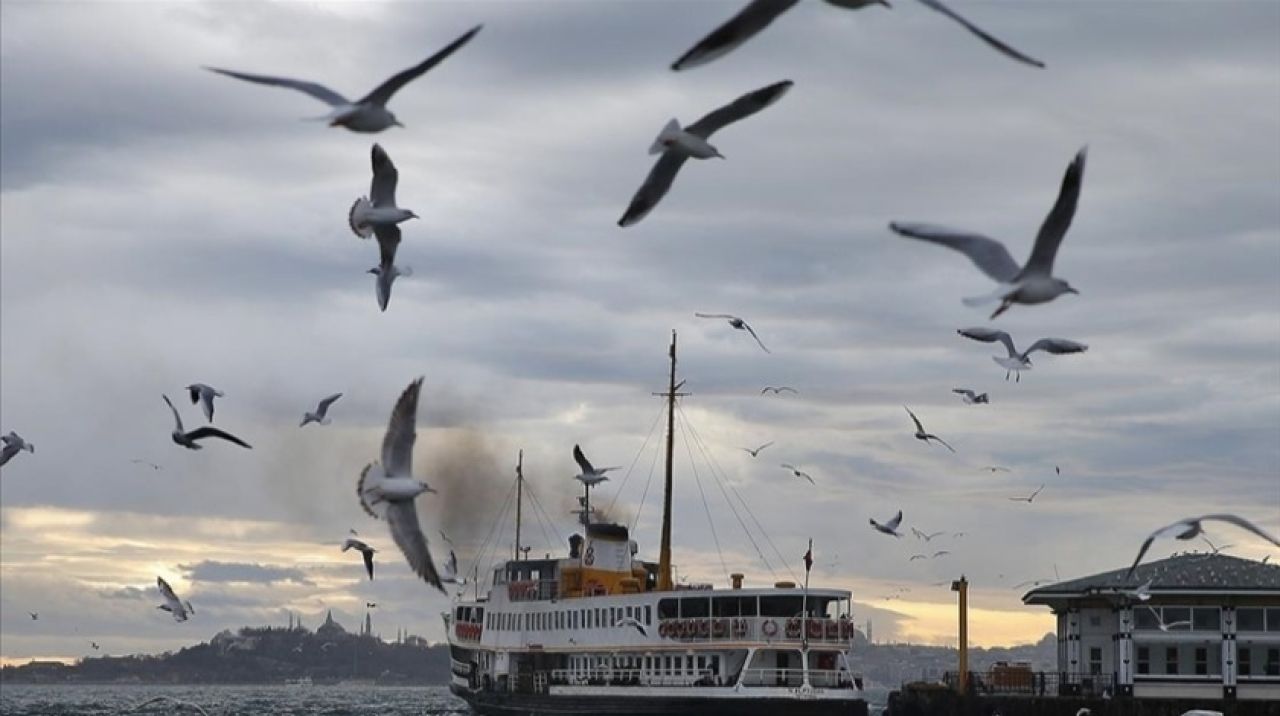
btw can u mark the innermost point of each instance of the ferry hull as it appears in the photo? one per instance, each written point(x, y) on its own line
point(508, 704)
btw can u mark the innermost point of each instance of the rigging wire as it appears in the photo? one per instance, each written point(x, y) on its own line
point(627, 475)
point(652, 466)
point(544, 516)
point(705, 507)
point(484, 545)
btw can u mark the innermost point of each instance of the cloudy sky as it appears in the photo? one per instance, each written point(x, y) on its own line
point(163, 225)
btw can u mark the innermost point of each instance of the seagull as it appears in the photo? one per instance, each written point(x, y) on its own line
point(188, 439)
point(923, 536)
point(177, 607)
point(971, 398)
point(1171, 625)
point(1027, 499)
point(95, 646)
point(996, 468)
point(34, 615)
point(368, 114)
point(379, 208)
point(169, 700)
point(676, 145)
point(940, 553)
point(1142, 592)
point(365, 550)
point(633, 623)
point(1017, 362)
point(1084, 712)
point(914, 557)
point(1034, 281)
point(799, 473)
point(322, 410)
point(370, 605)
point(13, 444)
point(451, 570)
point(1191, 527)
point(327, 645)
point(778, 390)
point(1032, 582)
point(758, 14)
point(922, 435)
point(148, 463)
point(890, 527)
point(756, 452)
point(959, 534)
point(1214, 549)
point(204, 394)
point(590, 476)
point(737, 323)
point(388, 490)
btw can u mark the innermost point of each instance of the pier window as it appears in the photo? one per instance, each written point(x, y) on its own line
point(1146, 618)
point(1205, 618)
point(1144, 660)
point(1095, 660)
point(1177, 618)
point(1202, 661)
point(1250, 619)
point(1171, 660)
point(1244, 661)
point(1273, 662)
point(1273, 619)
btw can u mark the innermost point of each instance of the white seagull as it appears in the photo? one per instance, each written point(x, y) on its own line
point(204, 395)
point(321, 413)
point(13, 444)
point(451, 571)
point(590, 476)
point(379, 208)
point(633, 623)
point(778, 390)
point(365, 551)
point(1191, 527)
point(1028, 284)
point(1141, 593)
point(188, 439)
point(676, 145)
point(890, 527)
point(738, 323)
point(971, 398)
point(756, 452)
point(177, 607)
point(758, 14)
point(798, 472)
point(368, 114)
point(1017, 362)
point(1027, 500)
point(922, 435)
point(924, 536)
point(388, 490)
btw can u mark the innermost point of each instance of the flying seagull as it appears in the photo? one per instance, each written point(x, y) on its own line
point(95, 646)
point(1191, 527)
point(590, 476)
point(798, 472)
point(178, 608)
point(365, 550)
point(923, 536)
point(996, 468)
point(1032, 583)
point(971, 398)
point(758, 14)
point(1141, 593)
point(1160, 623)
point(379, 215)
point(676, 145)
point(388, 490)
point(1215, 549)
point(1027, 499)
point(368, 114)
point(204, 395)
point(148, 463)
point(737, 323)
point(922, 435)
point(890, 527)
point(1030, 283)
point(451, 570)
point(321, 413)
point(778, 390)
point(633, 623)
point(1017, 362)
point(188, 439)
point(940, 553)
point(169, 700)
point(13, 444)
point(756, 452)
point(914, 557)
point(34, 615)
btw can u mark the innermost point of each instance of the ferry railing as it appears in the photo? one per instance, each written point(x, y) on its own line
point(818, 678)
point(629, 677)
point(770, 629)
point(533, 590)
point(1036, 683)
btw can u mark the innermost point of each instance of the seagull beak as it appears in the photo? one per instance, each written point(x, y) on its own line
point(1072, 290)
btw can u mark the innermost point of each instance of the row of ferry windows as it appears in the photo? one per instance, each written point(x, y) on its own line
point(595, 618)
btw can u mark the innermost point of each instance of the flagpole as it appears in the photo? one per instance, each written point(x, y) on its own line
point(804, 608)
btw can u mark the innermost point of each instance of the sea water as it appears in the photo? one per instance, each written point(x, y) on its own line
point(250, 700)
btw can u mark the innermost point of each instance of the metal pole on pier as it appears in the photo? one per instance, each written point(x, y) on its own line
point(962, 586)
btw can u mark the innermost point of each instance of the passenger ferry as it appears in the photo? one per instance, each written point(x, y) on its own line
point(599, 631)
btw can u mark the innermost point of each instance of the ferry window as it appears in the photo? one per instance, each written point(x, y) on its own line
point(724, 606)
point(668, 608)
point(648, 614)
point(631, 612)
point(1144, 660)
point(1171, 660)
point(1249, 619)
point(1273, 619)
point(479, 614)
point(1145, 618)
point(1202, 661)
point(573, 619)
point(694, 607)
point(457, 613)
point(1244, 660)
point(780, 606)
point(1095, 660)
point(1205, 618)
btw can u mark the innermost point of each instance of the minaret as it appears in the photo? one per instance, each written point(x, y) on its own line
point(368, 624)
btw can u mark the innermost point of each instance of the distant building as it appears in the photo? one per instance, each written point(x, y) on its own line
point(1211, 629)
point(330, 628)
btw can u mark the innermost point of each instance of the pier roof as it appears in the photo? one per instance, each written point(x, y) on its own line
point(1183, 573)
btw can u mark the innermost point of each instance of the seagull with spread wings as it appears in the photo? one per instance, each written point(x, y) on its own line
point(756, 452)
point(188, 439)
point(970, 397)
point(365, 551)
point(1030, 283)
point(677, 144)
point(890, 527)
point(1017, 362)
point(1027, 499)
point(1193, 527)
point(738, 323)
point(379, 216)
point(388, 490)
point(798, 472)
point(178, 608)
point(204, 395)
point(590, 476)
point(925, 536)
point(369, 113)
point(922, 435)
point(13, 444)
point(321, 413)
point(778, 390)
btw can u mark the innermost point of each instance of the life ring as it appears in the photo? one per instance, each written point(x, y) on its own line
point(704, 628)
point(793, 628)
point(739, 627)
point(720, 628)
point(815, 629)
point(687, 628)
point(769, 629)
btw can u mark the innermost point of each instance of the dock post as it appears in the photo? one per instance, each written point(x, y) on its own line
point(962, 586)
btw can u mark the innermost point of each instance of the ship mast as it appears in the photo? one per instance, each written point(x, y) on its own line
point(519, 498)
point(664, 559)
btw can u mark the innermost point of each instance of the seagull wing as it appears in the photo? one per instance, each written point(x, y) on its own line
point(990, 40)
point(655, 186)
point(718, 315)
point(753, 18)
point(368, 561)
point(806, 476)
point(914, 419)
point(1033, 495)
point(382, 192)
point(397, 445)
point(764, 446)
point(1243, 524)
point(583, 463)
point(1058, 221)
point(1172, 529)
point(990, 335)
point(319, 91)
point(989, 255)
point(403, 518)
point(166, 591)
point(388, 241)
point(944, 442)
point(1057, 346)
point(323, 407)
point(753, 335)
point(965, 392)
point(206, 402)
point(209, 431)
point(741, 108)
point(391, 86)
point(893, 523)
point(177, 419)
point(7, 453)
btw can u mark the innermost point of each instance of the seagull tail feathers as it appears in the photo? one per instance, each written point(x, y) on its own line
point(371, 478)
point(356, 218)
